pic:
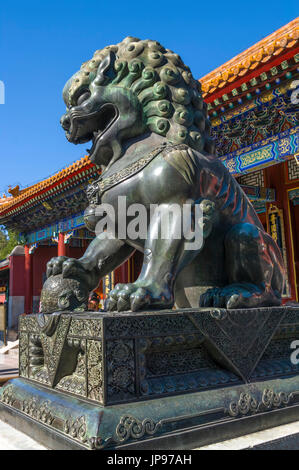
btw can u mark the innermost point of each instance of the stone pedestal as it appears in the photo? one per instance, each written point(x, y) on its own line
point(168, 379)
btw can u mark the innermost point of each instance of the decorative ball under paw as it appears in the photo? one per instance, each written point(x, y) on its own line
point(60, 294)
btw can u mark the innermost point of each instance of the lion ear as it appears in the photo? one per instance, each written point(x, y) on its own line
point(105, 69)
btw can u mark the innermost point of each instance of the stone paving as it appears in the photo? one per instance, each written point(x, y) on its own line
point(12, 439)
point(9, 366)
point(285, 437)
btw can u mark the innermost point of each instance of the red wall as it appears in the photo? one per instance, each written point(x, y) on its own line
point(121, 274)
point(275, 177)
point(16, 275)
point(74, 252)
point(41, 256)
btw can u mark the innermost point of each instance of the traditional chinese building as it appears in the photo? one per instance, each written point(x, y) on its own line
point(253, 106)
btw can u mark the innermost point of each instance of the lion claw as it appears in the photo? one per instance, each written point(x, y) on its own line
point(123, 304)
point(110, 305)
point(139, 299)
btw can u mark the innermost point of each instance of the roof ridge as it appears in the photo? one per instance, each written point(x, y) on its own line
point(33, 189)
point(272, 45)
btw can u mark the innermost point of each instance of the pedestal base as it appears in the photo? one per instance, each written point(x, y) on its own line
point(59, 421)
point(153, 380)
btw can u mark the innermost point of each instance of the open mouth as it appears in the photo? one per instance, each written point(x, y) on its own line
point(107, 116)
point(91, 127)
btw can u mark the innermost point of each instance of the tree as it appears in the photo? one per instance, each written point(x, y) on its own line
point(8, 240)
point(3, 240)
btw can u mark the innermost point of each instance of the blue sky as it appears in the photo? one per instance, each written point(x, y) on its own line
point(43, 43)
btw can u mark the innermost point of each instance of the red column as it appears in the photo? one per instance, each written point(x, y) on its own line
point(275, 178)
point(28, 280)
point(61, 245)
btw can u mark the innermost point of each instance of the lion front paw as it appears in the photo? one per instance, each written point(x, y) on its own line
point(137, 297)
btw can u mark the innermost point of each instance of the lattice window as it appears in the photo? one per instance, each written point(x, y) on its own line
point(293, 169)
point(252, 179)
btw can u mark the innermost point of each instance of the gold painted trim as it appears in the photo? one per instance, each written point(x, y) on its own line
point(273, 209)
point(288, 181)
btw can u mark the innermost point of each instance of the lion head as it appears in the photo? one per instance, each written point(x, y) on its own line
point(132, 88)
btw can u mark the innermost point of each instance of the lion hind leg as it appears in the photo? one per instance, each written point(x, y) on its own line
point(255, 271)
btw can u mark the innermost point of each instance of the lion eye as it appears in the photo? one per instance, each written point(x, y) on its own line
point(85, 96)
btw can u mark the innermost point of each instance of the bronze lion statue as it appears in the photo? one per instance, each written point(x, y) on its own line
point(143, 111)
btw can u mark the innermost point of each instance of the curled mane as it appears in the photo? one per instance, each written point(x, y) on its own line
point(170, 97)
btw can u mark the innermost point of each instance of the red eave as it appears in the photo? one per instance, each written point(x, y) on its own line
point(260, 57)
point(45, 189)
point(4, 268)
point(245, 78)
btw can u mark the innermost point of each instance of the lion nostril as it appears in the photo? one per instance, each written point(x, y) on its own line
point(65, 122)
